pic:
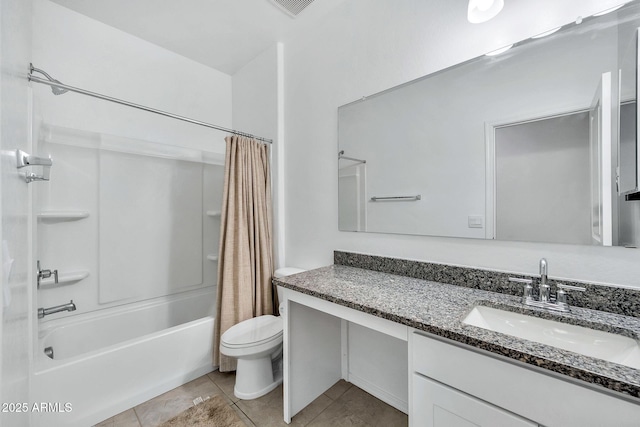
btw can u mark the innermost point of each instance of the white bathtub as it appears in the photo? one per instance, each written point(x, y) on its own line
point(109, 361)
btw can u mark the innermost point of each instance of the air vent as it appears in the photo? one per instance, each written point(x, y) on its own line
point(292, 7)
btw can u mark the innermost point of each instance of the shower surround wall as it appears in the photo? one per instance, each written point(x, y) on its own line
point(88, 54)
point(145, 220)
point(16, 307)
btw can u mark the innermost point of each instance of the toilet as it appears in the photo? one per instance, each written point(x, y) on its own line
point(257, 344)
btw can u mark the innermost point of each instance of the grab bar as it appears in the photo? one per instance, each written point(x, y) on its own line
point(25, 159)
point(397, 198)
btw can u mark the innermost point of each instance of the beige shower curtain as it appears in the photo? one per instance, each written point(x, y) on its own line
point(245, 260)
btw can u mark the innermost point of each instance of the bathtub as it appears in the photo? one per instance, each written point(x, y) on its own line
point(108, 361)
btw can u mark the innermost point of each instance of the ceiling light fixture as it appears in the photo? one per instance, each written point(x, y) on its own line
point(483, 10)
point(499, 51)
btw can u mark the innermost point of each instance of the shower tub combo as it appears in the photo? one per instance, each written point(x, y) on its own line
point(106, 362)
point(144, 322)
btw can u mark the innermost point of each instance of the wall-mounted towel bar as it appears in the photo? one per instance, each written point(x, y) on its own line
point(341, 156)
point(397, 198)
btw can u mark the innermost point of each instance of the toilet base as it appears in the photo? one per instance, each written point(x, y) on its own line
point(257, 377)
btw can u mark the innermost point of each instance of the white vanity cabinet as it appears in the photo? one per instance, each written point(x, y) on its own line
point(455, 385)
point(437, 405)
point(438, 382)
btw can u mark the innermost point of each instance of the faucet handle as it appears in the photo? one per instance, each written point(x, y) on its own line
point(561, 295)
point(45, 274)
point(571, 287)
point(527, 293)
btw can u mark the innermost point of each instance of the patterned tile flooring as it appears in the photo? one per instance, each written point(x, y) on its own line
point(341, 405)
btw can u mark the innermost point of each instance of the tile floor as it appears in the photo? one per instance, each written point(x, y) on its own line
point(341, 405)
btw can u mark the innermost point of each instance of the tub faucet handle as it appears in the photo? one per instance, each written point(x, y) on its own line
point(45, 274)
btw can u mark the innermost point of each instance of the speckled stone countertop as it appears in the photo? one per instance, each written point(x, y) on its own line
point(439, 309)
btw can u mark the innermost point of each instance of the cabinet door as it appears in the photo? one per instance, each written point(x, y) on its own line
point(436, 405)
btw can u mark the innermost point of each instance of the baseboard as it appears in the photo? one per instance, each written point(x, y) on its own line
point(374, 390)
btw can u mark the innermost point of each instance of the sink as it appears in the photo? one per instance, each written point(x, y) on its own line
point(578, 339)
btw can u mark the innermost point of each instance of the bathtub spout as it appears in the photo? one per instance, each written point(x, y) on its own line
point(57, 309)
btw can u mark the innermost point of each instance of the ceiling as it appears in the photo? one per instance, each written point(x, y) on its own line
point(222, 34)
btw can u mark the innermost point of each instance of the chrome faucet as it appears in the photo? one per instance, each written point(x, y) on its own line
point(545, 289)
point(545, 299)
point(57, 309)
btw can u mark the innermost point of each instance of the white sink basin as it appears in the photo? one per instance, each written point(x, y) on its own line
point(589, 342)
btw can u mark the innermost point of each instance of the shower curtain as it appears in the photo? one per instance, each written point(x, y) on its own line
point(245, 258)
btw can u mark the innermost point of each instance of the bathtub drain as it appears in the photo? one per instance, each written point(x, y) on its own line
point(49, 352)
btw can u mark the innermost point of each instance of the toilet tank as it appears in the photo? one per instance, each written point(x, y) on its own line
point(285, 271)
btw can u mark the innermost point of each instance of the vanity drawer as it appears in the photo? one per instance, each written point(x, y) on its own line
point(535, 394)
point(437, 405)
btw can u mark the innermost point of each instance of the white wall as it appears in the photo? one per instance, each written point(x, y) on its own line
point(368, 46)
point(82, 52)
point(16, 308)
point(257, 110)
point(255, 95)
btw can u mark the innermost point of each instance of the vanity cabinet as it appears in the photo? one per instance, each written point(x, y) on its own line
point(438, 405)
point(436, 381)
point(452, 384)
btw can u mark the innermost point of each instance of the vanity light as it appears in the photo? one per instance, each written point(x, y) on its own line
point(483, 10)
point(499, 51)
point(604, 12)
point(546, 33)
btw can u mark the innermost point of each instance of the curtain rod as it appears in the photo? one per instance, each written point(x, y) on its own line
point(60, 88)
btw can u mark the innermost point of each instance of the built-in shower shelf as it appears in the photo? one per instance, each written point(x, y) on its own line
point(213, 213)
point(65, 278)
point(212, 257)
point(62, 215)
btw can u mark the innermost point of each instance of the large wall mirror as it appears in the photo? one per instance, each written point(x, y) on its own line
point(537, 143)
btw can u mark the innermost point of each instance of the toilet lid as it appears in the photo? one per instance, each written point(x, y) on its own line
point(253, 331)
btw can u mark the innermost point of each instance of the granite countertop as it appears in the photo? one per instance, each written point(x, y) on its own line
point(439, 309)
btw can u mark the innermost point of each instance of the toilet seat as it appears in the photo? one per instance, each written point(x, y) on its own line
point(276, 339)
point(253, 332)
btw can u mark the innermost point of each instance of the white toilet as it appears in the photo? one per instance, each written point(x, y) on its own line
point(257, 344)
